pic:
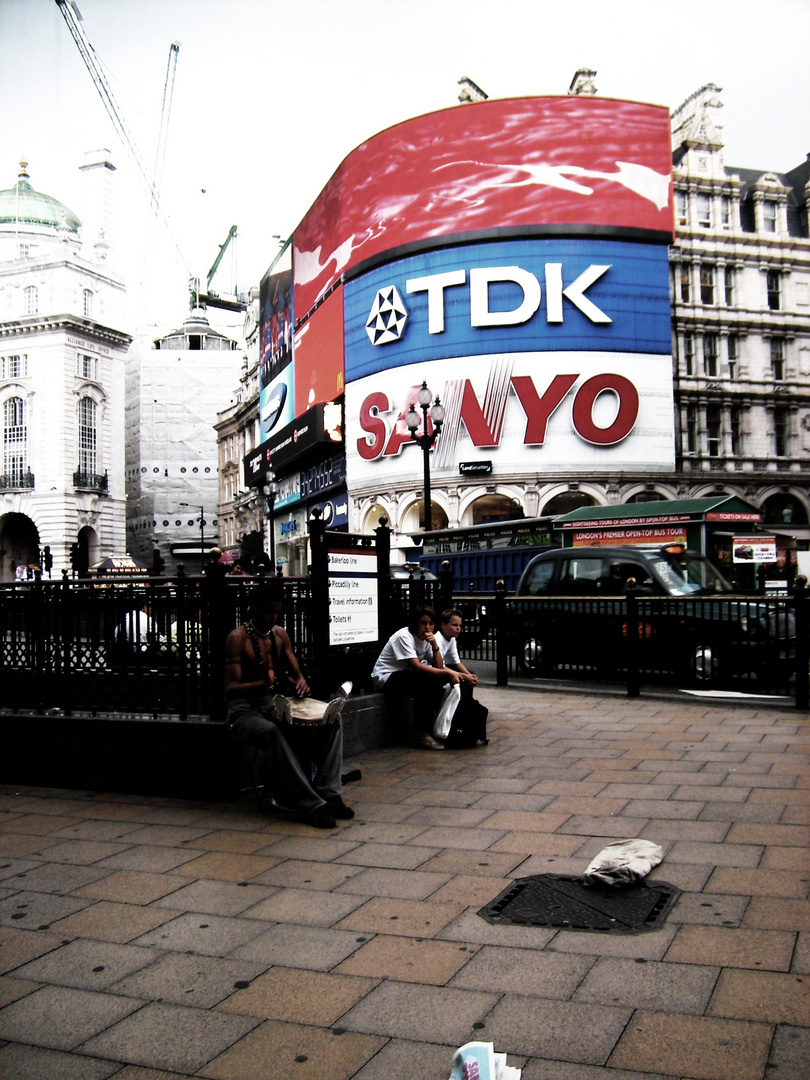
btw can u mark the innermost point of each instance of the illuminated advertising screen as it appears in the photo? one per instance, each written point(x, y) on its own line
point(319, 355)
point(275, 299)
point(548, 356)
point(513, 167)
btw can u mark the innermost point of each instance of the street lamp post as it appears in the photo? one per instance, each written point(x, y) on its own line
point(426, 440)
point(202, 528)
point(270, 492)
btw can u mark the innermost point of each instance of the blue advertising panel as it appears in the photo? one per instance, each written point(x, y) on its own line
point(561, 295)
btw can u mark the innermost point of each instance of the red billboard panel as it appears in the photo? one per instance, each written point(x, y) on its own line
point(516, 166)
point(319, 355)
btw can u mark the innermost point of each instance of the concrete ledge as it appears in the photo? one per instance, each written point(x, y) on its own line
point(190, 759)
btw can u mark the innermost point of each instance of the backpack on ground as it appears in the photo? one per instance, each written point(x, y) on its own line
point(469, 726)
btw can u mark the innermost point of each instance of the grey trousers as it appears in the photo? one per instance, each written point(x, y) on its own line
point(289, 754)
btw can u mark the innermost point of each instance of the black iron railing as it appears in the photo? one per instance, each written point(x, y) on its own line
point(16, 481)
point(156, 645)
point(93, 481)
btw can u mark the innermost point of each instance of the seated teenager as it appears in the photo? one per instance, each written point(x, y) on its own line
point(462, 720)
point(411, 665)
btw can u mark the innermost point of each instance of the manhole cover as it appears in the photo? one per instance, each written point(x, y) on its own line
point(562, 901)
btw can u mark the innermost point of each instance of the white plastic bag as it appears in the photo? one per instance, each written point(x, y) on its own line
point(448, 703)
point(478, 1061)
point(622, 863)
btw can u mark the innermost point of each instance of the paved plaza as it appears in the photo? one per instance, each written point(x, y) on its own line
point(151, 939)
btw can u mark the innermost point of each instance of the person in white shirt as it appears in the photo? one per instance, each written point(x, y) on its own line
point(411, 665)
point(450, 623)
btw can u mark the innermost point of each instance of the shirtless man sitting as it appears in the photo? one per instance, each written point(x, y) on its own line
point(260, 668)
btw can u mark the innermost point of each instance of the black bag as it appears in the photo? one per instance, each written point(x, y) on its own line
point(469, 726)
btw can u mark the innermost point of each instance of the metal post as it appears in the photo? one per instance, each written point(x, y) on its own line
point(426, 440)
point(271, 506)
point(426, 445)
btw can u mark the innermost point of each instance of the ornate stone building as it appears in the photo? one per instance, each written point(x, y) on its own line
point(241, 509)
point(741, 323)
point(62, 350)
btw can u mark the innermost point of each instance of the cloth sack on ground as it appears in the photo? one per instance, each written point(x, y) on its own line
point(623, 863)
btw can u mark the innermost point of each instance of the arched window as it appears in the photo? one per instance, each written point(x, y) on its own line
point(15, 442)
point(31, 299)
point(87, 436)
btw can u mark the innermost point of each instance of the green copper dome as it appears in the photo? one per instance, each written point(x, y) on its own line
point(22, 205)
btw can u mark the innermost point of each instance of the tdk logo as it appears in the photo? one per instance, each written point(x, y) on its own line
point(388, 315)
point(387, 318)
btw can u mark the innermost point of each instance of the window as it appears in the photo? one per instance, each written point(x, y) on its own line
point(769, 216)
point(15, 442)
point(729, 283)
point(13, 367)
point(704, 211)
point(774, 288)
point(685, 282)
point(778, 359)
point(707, 277)
point(25, 251)
point(725, 211)
point(781, 433)
point(31, 299)
point(735, 430)
point(710, 352)
point(87, 436)
point(733, 355)
point(691, 430)
point(86, 367)
point(689, 354)
point(87, 303)
point(681, 207)
point(714, 431)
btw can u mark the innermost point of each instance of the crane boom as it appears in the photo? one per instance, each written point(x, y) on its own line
point(165, 113)
point(73, 19)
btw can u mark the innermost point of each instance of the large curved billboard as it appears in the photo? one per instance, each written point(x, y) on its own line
point(500, 168)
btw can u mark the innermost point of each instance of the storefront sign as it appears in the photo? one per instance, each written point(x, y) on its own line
point(326, 474)
point(641, 537)
point(753, 549)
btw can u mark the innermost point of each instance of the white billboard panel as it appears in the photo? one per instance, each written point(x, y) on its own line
point(541, 412)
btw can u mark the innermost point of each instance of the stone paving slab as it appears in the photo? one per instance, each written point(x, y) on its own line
point(155, 939)
point(172, 1037)
point(22, 1062)
point(62, 1017)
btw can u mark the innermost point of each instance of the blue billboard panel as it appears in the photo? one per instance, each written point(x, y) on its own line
point(560, 295)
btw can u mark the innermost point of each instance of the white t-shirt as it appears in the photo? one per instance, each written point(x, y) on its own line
point(449, 650)
point(397, 651)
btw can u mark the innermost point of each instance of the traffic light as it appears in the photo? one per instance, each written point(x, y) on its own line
point(47, 558)
point(157, 562)
point(74, 557)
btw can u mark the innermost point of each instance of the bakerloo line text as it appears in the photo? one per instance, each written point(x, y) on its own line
point(384, 438)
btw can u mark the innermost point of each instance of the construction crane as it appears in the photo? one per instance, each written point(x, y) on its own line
point(160, 160)
point(212, 299)
point(73, 18)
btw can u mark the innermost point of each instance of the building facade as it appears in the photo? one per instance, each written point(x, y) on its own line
point(175, 387)
point(727, 413)
point(62, 352)
point(241, 508)
point(741, 324)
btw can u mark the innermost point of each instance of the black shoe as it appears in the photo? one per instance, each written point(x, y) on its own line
point(321, 818)
point(339, 808)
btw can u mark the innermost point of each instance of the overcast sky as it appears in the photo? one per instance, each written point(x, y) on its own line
point(270, 96)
